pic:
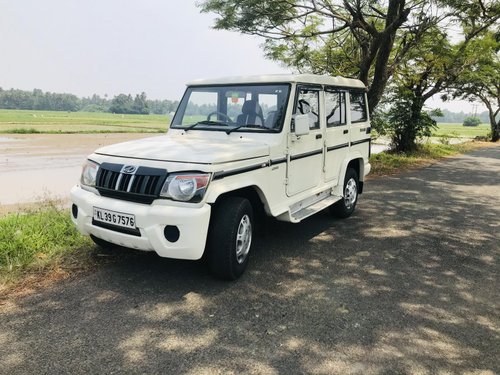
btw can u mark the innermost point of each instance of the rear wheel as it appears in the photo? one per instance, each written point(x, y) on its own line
point(345, 207)
point(230, 237)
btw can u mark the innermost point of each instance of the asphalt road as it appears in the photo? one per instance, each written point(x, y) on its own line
point(408, 285)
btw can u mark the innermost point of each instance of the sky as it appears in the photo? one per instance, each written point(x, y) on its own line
point(118, 46)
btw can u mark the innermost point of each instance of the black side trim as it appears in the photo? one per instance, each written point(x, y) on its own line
point(133, 232)
point(337, 147)
point(306, 154)
point(360, 141)
point(222, 174)
point(278, 161)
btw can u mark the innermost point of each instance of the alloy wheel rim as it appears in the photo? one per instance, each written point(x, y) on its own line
point(350, 193)
point(243, 239)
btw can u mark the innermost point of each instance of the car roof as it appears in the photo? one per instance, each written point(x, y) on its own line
point(282, 78)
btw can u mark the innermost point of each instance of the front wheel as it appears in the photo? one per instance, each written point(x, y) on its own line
point(345, 207)
point(230, 238)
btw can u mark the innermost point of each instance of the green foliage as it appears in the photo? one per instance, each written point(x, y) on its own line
point(403, 123)
point(124, 104)
point(34, 239)
point(19, 99)
point(472, 121)
point(481, 78)
point(348, 38)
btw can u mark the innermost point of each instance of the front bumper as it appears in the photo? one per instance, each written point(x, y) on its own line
point(151, 220)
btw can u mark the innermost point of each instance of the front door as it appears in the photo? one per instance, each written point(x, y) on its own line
point(305, 159)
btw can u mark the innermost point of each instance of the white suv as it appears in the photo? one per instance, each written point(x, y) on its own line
point(285, 145)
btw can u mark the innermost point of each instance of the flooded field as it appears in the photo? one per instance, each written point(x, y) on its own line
point(36, 167)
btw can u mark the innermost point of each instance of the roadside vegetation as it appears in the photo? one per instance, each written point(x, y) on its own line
point(38, 241)
point(387, 163)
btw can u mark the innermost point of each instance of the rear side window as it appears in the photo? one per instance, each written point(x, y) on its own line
point(358, 107)
point(335, 108)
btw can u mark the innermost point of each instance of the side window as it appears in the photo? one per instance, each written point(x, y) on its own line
point(358, 107)
point(308, 103)
point(335, 108)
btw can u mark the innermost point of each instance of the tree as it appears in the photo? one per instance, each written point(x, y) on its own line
point(373, 40)
point(121, 104)
point(362, 38)
point(482, 79)
point(434, 64)
point(140, 105)
point(472, 121)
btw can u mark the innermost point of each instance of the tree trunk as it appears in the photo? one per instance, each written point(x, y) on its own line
point(495, 130)
point(407, 139)
point(494, 124)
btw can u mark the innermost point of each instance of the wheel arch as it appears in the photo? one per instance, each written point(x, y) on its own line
point(355, 162)
point(251, 192)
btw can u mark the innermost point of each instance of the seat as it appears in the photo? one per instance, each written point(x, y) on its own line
point(251, 113)
point(271, 119)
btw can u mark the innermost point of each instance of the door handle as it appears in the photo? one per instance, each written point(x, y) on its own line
point(319, 136)
point(346, 131)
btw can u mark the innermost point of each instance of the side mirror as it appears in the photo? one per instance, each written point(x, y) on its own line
point(301, 125)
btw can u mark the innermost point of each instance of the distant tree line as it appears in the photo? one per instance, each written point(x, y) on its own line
point(459, 118)
point(48, 101)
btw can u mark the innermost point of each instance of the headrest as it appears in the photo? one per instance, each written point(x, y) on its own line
point(251, 107)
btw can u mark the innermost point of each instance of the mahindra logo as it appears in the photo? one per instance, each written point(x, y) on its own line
point(129, 169)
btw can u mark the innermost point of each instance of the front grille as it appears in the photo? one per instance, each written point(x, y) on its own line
point(143, 186)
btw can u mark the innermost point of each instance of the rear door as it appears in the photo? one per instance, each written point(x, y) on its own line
point(360, 123)
point(337, 132)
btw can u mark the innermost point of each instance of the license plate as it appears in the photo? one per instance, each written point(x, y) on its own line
point(119, 219)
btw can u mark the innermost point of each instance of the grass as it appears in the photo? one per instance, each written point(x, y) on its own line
point(460, 131)
point(35, 241)
point(387, 163)
point(27, 122)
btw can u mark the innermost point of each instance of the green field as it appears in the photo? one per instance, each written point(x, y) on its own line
point(460, 131)
point(26, 121)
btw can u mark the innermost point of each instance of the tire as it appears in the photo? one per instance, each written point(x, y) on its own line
point(345, 207)
point(230, 238)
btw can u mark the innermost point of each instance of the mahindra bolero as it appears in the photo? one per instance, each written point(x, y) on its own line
point(286, 146)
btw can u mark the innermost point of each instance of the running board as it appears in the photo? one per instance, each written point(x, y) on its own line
point(305, 209)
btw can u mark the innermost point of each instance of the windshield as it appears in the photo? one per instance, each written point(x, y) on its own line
point(258, 108)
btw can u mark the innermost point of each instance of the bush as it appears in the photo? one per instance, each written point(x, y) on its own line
point(472, 121)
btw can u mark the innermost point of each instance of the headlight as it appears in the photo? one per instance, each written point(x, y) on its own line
point(89, 173)
point(185, 187)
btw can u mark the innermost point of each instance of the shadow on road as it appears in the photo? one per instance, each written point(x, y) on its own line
point(407, 285)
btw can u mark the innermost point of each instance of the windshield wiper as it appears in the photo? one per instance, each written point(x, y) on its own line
point(229, 131)
point(205, 122)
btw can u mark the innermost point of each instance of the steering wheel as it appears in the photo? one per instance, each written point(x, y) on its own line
point(228, 119)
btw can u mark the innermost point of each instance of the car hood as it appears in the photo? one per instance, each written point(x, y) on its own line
point(188, 150)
